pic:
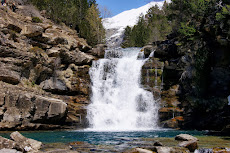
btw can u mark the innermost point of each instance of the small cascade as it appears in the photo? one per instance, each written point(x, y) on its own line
point(147, 76)
point(118, 103)
point(162, 78)
point(153, 74)
point(156, 83)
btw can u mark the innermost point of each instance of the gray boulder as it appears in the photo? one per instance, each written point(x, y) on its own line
point(75, 57)
point(185, 137)
point(53, 85)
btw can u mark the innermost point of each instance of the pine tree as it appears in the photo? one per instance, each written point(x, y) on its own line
point(95, 29)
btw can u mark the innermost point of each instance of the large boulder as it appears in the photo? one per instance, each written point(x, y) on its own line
point(75, 57)
point(185, 137)
point(26, 144)
point(49, 110)
point(27, 110)
point(8, 75)
point(191, 145)
point(54, 85)
point(32, 30)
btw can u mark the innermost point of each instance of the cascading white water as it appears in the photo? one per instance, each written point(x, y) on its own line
point(118, 103)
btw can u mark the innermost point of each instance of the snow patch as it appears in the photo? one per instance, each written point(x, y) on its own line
point(127, 18)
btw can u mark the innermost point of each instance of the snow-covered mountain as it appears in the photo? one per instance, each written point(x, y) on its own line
point(115, 26)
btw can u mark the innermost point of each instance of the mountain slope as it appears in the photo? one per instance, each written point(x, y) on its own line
point(115, 26)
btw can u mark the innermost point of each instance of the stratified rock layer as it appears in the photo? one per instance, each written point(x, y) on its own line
point(44, 81)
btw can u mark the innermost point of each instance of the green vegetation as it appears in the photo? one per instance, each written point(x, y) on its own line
point(81, 15)
point(150, 28)
point(36, 20)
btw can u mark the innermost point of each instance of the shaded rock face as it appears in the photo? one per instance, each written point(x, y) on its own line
point(199, 73)
point(44, 80)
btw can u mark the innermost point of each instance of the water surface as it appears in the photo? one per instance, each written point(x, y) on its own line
point(92, 137)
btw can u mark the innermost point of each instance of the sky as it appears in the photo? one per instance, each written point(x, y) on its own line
point(118, 6)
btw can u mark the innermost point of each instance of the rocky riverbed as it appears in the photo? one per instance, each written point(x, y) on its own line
point(183, 143)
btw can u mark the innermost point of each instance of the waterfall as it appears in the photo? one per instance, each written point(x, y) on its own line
point(118, 103)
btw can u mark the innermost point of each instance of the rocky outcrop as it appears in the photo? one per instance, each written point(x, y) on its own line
point(23, 109)
point(25, 144)
point(44, 80)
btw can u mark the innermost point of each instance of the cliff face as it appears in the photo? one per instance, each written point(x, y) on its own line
point(195, 82)
point(44, 81)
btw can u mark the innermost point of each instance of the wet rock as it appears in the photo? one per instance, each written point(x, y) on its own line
point(202, 150)
point(173, 123)
point(62, 151)
point(6, 143)
point(148, 50)
point(221, 150)
point(185, 137)
point(26, 144)
point(191, 145)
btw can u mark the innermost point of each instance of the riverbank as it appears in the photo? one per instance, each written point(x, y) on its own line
point(86, 141)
